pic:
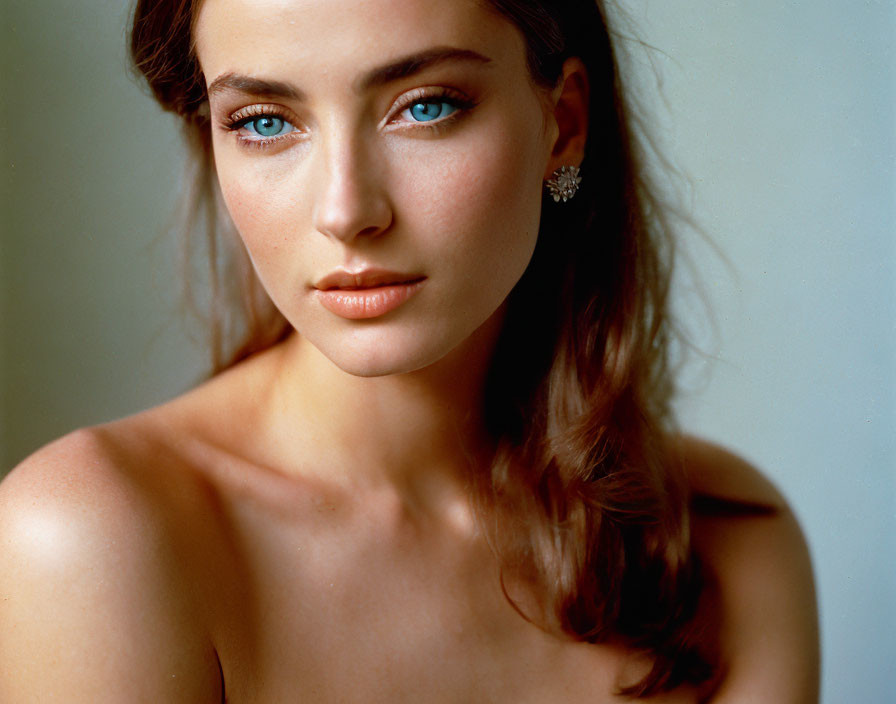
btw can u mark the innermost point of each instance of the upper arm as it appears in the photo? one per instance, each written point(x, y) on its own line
point(90, 605)
point(769, 636)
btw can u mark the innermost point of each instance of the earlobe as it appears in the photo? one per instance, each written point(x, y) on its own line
point(570, 112)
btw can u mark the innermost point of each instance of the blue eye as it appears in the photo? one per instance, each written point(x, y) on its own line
point(426, 110)
point(268, 126)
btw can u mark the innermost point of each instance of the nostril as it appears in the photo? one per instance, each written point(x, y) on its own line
point(346, 215)
point(353, 199)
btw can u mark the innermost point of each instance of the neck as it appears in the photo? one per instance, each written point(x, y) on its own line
point(419, 433)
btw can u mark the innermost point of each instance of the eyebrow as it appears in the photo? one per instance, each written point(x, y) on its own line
point(402, 68)
point(415, 63)
point(254, 86)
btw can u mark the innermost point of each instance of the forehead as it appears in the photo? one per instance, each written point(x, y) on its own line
point(335, 37)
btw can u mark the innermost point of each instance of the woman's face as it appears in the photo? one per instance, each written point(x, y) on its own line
point(383, 162)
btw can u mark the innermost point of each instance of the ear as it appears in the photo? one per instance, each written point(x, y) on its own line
point(569, 109)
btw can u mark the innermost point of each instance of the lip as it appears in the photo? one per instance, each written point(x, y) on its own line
point(367, 278)
point(370, 293)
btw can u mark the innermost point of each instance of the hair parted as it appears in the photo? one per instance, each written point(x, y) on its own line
point(595, 508)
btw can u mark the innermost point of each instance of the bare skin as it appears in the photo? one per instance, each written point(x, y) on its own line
point(299, 528)
point(159, 559)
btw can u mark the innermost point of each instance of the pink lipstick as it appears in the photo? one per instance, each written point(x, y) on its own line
point(366, 294)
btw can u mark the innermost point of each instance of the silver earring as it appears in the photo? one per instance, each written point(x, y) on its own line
point(564, 183)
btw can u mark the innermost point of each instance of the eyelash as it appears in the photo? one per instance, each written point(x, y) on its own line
point(460, 102)
point(241, 118)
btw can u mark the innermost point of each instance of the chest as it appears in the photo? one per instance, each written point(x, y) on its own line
point(361, 612)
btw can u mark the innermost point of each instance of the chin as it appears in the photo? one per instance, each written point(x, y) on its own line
point(388, 348)
point(379, 365)
point(379, 355)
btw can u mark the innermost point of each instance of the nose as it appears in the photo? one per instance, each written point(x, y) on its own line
point(352, 201)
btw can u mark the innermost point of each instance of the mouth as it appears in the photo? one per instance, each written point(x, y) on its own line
point(367, 279)
point(367, 294)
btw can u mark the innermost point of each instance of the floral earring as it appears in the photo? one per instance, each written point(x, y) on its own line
point(564, 183)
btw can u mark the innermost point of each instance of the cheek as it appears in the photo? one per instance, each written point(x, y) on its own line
point(267, 207)
point(470, 204)
point(256, 192)
point(484, 201)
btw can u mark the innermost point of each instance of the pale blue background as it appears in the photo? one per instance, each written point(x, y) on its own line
point(781, 113)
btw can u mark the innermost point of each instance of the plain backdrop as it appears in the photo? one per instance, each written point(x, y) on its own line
point(779, 112)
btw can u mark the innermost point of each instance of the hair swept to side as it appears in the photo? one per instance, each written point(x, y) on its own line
point(594, 507)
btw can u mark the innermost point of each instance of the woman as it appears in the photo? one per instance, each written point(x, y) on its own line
point(439, 463)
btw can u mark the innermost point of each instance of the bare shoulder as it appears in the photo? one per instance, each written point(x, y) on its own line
point(752, 545)
point(714, 471)
point(93, 598)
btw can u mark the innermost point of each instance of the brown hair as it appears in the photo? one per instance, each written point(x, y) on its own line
point(596, 509)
